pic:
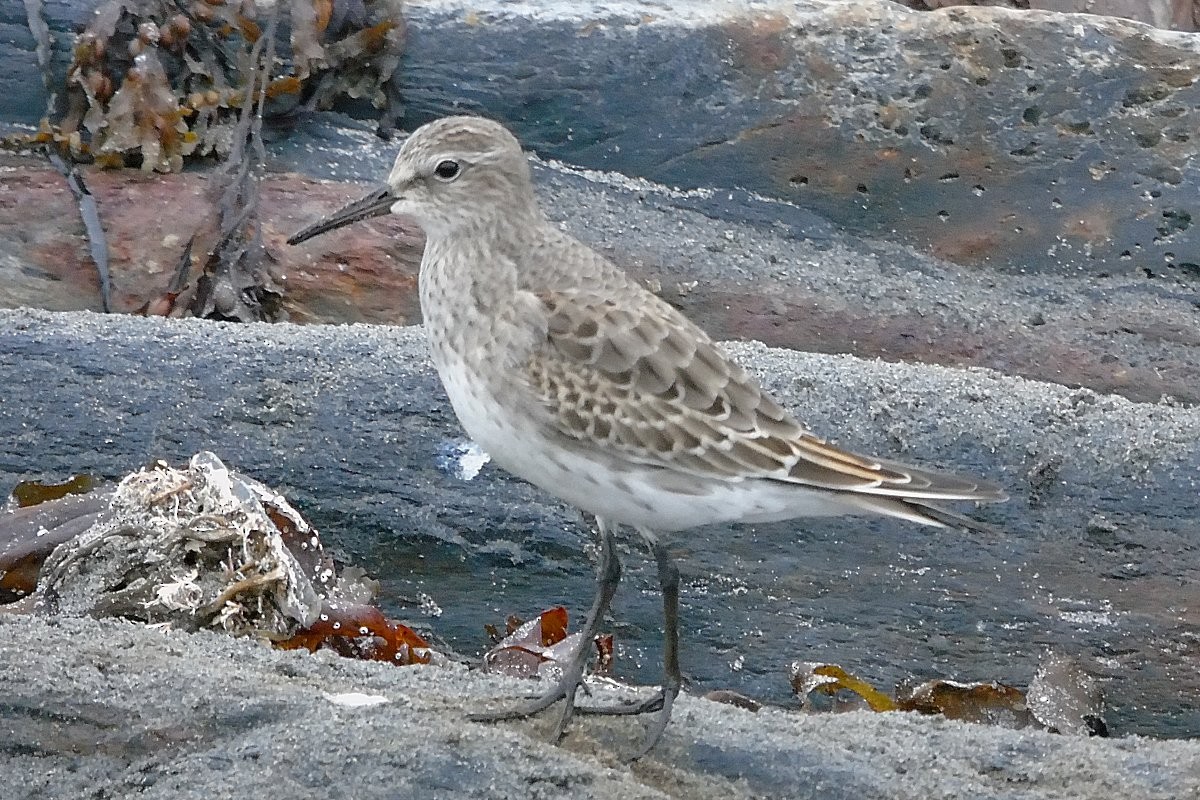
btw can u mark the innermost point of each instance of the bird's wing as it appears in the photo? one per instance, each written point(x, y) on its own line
point(638, 378)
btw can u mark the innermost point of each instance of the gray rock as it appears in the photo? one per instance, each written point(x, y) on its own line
point(1031, 141)
point(350, 424)
point(1175, 14)
point(1027, 140)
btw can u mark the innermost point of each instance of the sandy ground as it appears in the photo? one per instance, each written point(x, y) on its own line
point(107, 709)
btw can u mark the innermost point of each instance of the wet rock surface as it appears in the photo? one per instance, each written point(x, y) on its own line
point(1029, 141)
point(1098, 557)
point(1182, 15)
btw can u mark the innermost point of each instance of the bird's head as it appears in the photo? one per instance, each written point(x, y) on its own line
point(451, 173)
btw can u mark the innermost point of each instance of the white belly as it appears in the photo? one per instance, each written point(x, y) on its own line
point(622, 492)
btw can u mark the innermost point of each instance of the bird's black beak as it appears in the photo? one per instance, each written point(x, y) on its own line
point(376, 204)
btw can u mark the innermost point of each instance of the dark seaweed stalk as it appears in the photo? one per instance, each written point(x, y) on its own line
point(234, 283)
point(90, 212)
point(41, 37)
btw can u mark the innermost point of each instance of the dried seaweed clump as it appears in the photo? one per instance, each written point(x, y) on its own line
point(154, 81)
point(195, 547)
point(1062, 698)
point(351, 48)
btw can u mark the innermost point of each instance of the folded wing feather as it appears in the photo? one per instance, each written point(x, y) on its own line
point(634, 375)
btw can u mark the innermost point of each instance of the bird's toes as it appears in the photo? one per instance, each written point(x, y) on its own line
point(658, 725)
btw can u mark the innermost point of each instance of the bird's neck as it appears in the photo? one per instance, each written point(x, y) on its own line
point(469, 268)
point(469, 284)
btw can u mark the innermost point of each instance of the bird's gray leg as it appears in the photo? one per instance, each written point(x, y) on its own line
point(608, 575)
point(668, 579)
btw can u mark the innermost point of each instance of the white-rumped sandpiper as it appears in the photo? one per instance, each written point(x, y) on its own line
point(579, 380)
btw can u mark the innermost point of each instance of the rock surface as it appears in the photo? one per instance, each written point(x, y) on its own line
point(148, 219)
point(135, 712)
point(1180, 15)
point(721, 257)
point(1098, 559)
point(1030, 141)
point(1026, 140)
point(1100, 554)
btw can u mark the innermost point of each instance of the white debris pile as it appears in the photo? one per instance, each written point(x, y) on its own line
point(196, 547)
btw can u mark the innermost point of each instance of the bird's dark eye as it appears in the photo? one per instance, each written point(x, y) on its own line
point(447, 170)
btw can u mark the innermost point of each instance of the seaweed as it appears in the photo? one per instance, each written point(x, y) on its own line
point(1063, 697)
point(235, 284)
point(154, 82)
point(361, 632)
point(36, 20)
point(537, 647)
point(89, 212)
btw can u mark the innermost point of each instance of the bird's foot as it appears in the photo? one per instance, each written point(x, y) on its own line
point(562, 689)
point(660, 704)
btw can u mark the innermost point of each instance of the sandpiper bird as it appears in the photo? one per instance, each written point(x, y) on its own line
point(575, 378)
